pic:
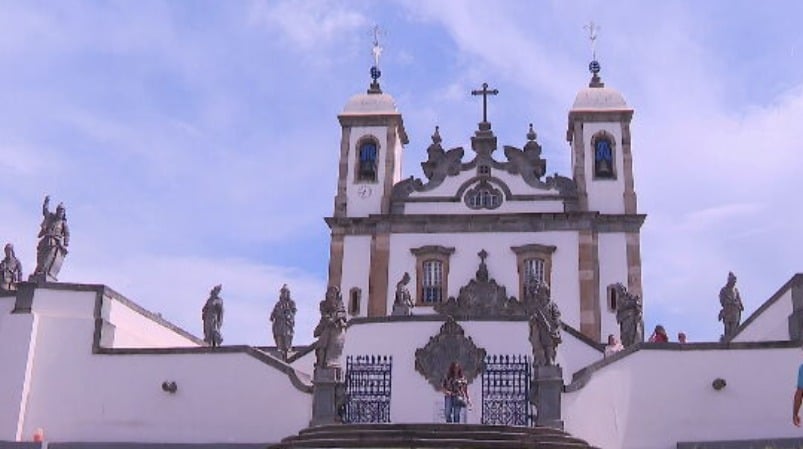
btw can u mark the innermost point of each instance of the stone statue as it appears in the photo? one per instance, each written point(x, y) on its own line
point(732, 307)
point(10, 270)
point(629, 311)
point(403, 304)
point(212, 316)
point(54, 237)
point(331, 330)
point(544, 323)
point(284, 321)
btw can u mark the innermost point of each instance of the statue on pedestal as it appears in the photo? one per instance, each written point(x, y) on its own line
point(732, 307)
point(544, 323)
point(403, 304)
point(54, 237)
point(10, 270)
point(331, 330)
point(629, 312)
point(283, 317)
point(212, 316)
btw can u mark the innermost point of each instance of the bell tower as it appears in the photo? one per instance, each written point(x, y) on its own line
point(371, 144)
point(602, 164)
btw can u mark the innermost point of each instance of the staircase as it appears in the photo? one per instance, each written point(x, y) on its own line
point(441, 436)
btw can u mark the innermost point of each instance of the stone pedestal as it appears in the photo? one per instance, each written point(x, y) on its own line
point(327, 385)
point(547, 390)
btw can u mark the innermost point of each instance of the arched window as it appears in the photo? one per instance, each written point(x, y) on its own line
point(483, 196)
point(604, 161)
point(432, 283)
point(366, 170)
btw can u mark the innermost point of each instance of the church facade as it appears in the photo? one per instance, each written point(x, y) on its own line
point(430, 270)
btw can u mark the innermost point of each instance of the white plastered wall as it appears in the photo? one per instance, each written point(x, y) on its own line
point(501, 261)
point(772, 324)
point(358, 206)
point(356, 268)
point(76, 395)
point(18, 334)
point(134, 330)
point(612, 247)
point(413, 399)
point(605, 195)
point(652, 399)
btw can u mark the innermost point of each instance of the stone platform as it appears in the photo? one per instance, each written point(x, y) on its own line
point(459, 436)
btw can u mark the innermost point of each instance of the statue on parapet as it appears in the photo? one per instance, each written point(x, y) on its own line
point(212, 316)
point(629, 315)
point(403, 304)
point(732, 307)
point(331, 330)
point(283, 317)
point(10, 270)
point(544, 323)
point(54, 238)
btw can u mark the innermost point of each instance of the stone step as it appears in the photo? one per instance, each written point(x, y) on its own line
point(441, 443)
point(433, 434)
point(441, 427)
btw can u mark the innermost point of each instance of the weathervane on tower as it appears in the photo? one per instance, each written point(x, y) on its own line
point(376, 51)
point(593, 66)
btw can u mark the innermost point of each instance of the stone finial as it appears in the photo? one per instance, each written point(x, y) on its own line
point(436, 136)
point(531, 135)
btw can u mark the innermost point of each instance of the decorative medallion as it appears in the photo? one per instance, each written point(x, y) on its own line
point(482, 298)
point(450, 345)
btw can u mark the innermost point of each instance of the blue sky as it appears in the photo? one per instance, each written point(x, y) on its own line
point(195, 143)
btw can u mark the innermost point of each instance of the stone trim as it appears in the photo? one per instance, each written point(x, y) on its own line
point(591, 116)
point(378, 275)
point(588, 266)
point(390, 168)
point(390, 120)
point(795, 282)
point(534, 251)
point(630, 200)
point(515, 222)
point(424, 254)
point(575, 136)
point(336, 248)
point(633, 255)
point(341, 199)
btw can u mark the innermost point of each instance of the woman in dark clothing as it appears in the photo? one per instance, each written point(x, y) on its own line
point(455, 390)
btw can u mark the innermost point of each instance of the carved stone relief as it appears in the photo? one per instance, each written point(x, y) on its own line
point(449, 345)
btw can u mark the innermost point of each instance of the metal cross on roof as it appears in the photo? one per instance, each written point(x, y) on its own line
point(485, 92)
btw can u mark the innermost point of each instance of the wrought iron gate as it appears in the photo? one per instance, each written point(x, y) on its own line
point(506, 390)
point(368, 382)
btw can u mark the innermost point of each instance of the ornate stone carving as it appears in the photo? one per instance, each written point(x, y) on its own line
point(331, 330)
point(212, 316)
point(732, 307)
point(283, 317)
point(10, 270)
point(449, 345)
point(440, 163)
point(527, 163)
point(482, 297)
point(629, 316)
point(54, 238)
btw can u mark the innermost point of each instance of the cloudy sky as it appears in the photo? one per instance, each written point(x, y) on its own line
point(196, 143)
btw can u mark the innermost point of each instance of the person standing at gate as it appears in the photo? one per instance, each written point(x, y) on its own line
point(455, 390)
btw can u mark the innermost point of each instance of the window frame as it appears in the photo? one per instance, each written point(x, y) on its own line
point(430, 253)
point(603, 135)
point(533, 251)
point(361, 143)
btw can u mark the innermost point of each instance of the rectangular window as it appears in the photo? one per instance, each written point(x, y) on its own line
point(432, 285)
point(533, 269)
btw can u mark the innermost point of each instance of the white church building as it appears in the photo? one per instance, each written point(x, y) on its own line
point(90, 368)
